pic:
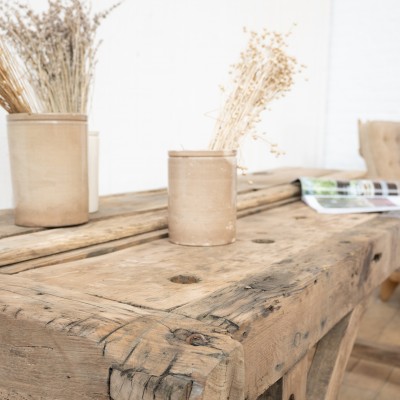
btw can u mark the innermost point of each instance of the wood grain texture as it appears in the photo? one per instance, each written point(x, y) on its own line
point(53, 241)
point(184, 360)
point(85, 252)
point(256, 297)
point(294, 382)
point(11, 394)
point(109, 207)
point(156, 200)
point(144, 215)
point(71, 343)
point(114, 245)
point(331, 357)
point(141, 275)
point(330, 282)
point(50, 341)
point(145, 319)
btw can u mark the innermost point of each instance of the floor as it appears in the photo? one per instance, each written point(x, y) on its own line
point(366, 380)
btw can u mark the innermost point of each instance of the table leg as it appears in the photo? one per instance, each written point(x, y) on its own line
point(292, 386)
point(274, 392)
point(321, 380)
point(295, 381)
point(331, 356)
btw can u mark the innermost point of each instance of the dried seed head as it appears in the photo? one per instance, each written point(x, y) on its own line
point(265, 72)
point(58, 47)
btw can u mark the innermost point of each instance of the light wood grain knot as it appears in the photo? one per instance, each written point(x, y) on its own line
point(185, 279)
point(197, 339)
point(190, 337)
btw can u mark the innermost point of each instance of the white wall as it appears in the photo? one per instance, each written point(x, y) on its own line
point(158, 75)
point(364, 74)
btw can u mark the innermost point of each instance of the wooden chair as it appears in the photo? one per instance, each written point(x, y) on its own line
point(380, 148)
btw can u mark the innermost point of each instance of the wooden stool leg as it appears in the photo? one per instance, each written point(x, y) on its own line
point(331, 356)
point(387, 289)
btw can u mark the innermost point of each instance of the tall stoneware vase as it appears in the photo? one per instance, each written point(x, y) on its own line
point(202, 197)
point(48, 155)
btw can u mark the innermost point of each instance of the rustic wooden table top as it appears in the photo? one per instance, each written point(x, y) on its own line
point(112, 309)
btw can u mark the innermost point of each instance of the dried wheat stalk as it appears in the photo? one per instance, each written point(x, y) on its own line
point(16, 94)
point(264, 73)
point(58, 47)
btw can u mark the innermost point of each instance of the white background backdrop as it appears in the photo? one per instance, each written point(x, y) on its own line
point(162, 61)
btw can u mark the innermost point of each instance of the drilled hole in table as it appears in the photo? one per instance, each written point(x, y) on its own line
point(185, 279)
point(377, 257)
point(263, 241)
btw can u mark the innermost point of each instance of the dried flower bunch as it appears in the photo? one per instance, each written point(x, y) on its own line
point(264, 73)
point(15, 93)
point(58, 48)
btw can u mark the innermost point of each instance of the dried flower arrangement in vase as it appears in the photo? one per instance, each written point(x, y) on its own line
point(47, 63)
point(202, 184)
point(264, 73)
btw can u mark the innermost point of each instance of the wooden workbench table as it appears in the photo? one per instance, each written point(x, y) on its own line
point(112, 310)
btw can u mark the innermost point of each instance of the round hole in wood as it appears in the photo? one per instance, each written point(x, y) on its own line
point(263, 241)
point(185, 279)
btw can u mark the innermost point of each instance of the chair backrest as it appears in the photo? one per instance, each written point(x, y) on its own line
point(380, 148)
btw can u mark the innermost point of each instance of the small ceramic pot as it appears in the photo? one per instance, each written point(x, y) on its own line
point(48, 156)
point(202, 197)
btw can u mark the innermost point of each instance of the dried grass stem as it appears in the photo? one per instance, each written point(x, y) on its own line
point(264, 73)
point(58, 47)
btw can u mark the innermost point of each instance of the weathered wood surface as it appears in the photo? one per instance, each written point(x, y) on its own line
point(294, 382)
point(331, 357)
point(264, 238)
point(69, 343)
point(136, 220)
point(85, 252)
point(160, 321)
point(155, 200)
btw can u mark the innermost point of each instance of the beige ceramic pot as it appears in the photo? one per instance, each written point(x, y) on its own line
point(202, 197)
point(48, 155)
